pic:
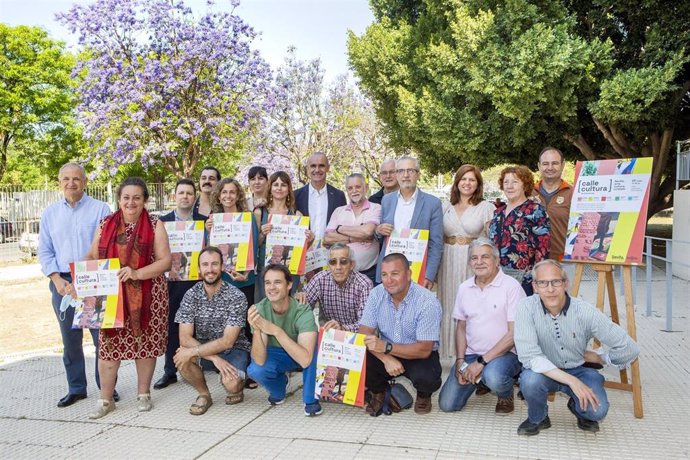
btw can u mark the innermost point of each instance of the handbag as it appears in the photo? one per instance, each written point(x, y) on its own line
point(400, 396)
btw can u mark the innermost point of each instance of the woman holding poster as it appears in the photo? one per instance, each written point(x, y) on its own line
point(139, 240)
point(520, 228)
point(279, 201)
point(465, 218)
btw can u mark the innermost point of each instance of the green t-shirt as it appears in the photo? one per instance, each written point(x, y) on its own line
point(297, 319)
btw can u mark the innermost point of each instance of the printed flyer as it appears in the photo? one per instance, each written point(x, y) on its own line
point(413, 244)
point(98, 288)
point(341, 367)
point(287, 241)
point(608, 214)
point(186, 241)
point(315, 261)
point(232, 234)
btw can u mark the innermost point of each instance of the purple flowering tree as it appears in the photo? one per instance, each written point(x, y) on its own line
point(271, 162)
point(161, 86)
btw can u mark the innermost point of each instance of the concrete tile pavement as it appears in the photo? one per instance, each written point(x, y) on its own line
point(31, 426)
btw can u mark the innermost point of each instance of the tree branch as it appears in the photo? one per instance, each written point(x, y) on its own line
point(582, 145)
point(619, 149)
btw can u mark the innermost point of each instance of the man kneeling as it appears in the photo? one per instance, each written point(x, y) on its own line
point(211, 318)
point(407, 318)
point(485, 309)
point(284, 340)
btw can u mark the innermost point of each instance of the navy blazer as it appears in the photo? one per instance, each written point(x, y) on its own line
point(170, 217)
point(427, 215)
point(336, 198)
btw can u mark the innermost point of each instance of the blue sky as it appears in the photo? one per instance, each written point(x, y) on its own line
point(318, 28)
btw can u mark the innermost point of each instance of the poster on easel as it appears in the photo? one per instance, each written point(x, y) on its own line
point(608, 213)
point(99, 300)
point(232, 234)
point(287, 242)
point(413, 243)
point(341, 367)
point(186, 239)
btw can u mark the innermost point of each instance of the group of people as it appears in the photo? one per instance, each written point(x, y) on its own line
point(502, 310)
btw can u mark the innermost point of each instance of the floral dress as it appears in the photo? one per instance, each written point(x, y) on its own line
point(523, 236)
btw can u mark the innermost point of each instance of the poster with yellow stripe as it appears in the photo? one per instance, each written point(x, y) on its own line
point(287, 242)
point(99, 304)
point(608, 212)
point(186, 239)
point(232, 233)
point(341, 367)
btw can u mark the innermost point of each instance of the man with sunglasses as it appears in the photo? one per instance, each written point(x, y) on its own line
point(388, 179)
point(341, 292)
point(412, 208)
point(552, 331)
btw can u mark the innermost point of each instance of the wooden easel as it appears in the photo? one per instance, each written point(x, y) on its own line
point(605, 283)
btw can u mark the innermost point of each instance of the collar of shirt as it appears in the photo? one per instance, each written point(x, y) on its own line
point(83, 199)
point(313, 191)
point(497, 281)
point(564, 311)
point(412, 199)
point(224, 287)
point(179, 219)
point(365, 206)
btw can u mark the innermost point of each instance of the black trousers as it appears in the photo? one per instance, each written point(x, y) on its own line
point(176, 291)
point(425, 374)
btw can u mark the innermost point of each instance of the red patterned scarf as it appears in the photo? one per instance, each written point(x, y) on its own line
point(135, 253)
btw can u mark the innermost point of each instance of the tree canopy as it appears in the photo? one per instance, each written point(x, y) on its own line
point(488, 81)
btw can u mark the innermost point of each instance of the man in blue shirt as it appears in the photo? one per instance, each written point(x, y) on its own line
point(407, 318)
point(67, 228)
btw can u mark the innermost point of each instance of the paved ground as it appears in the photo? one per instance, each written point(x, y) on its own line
point(32, 427)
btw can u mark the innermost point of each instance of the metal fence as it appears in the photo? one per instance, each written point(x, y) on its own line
point(682, 162)
point(21, 208)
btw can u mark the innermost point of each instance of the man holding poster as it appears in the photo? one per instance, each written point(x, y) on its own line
point(402, 322)
point(67, 228)
point(185, 194)
point(410, 208)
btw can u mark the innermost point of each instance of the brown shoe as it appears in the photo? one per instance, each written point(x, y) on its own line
point(482, 390)
point(375, 406)
point(505, 406)
point(422, 405)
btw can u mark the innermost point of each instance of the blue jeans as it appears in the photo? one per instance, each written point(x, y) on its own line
point(273, 374)
point(238, 358)
point(499, 375)
point(73, 353)
point(535, 388)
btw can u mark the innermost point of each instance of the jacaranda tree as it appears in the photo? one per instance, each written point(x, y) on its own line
point(160, 85)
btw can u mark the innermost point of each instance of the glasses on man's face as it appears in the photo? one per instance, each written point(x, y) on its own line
point(334, 262)
point(407, 171)
point(545, 283)
point(388, 173)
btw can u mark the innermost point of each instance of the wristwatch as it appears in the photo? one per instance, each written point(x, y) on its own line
point(389, 348)
point(481, 361)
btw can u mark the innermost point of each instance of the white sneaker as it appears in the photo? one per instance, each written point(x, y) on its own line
point(144, 403)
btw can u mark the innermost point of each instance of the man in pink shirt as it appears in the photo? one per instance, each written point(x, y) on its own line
point(354, 225)
point(485, 312)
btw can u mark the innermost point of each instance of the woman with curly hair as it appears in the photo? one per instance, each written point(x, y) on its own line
point(520, 228)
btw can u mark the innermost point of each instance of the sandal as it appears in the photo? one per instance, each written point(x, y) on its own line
point(234, 398)
point(103, 408)
point(200, 409)
point(250, 384)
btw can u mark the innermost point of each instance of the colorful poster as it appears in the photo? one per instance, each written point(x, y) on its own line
point(287, 241)
point(232, 234)
point(413, 244)
point(186, 241)
point(608, 214)
point(341, 367)
point(315, 261)
point(98, 287)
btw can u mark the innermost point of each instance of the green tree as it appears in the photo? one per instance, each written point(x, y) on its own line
point(488, 81)
point(36, 103)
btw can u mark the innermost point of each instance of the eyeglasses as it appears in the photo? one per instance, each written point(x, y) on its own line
point(407, 170)
point(388, 173)
point(545, 283)
point(334, 262)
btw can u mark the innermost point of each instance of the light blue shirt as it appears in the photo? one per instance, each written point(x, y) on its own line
point(417, 318)
point(66, 233)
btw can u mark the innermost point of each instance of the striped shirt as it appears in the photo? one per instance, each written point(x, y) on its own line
point(545, 342)
point(343, 304)
point(417, 318)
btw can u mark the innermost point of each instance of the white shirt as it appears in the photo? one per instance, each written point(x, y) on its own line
point(404, 211)
point(318, 210)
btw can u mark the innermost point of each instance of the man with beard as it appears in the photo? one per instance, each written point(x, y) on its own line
point(284, 340)
point(354, 224)
point(185, 194)
point(388, 179)
point(212, 318)
point(318, 199)
point(208, 179)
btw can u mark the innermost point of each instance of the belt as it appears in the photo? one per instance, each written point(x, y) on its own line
point(458, 239)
